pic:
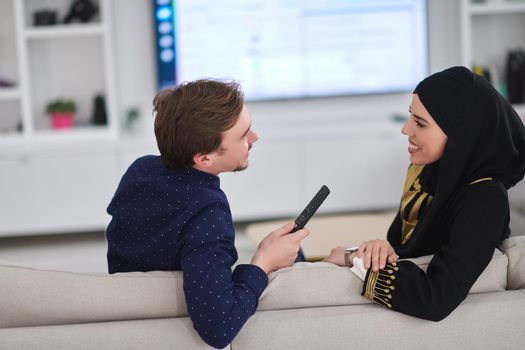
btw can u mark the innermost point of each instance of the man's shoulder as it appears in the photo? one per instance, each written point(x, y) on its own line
point(147, 161)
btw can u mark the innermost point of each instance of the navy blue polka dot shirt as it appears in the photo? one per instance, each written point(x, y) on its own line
point(166, 219)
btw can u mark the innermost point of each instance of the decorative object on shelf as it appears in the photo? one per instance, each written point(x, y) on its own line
point(5, 83)
point(100, 116)
point(44, 17)
point(81, 11)
point(62, 113)
point(516, 76)
point(132, 115)
point(484, 72)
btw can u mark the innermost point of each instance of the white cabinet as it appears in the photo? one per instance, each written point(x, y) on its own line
point(49, 190)
point(364, 169)
point(55, 180)
point(273, 183)
point(68, 61)
point(490, 29)
point(364, 166)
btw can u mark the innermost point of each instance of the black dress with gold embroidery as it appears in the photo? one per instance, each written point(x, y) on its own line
point(456, 209)
point(474, 223)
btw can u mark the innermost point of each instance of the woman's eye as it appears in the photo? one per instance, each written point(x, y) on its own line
point(419, 124)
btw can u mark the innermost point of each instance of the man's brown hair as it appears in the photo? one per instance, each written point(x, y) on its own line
point(190, 118)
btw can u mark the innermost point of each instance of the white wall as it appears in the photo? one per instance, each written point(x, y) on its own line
point(349, 143)
point(136, 72)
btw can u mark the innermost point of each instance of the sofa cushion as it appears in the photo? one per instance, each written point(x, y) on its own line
point(34, 297)
point(514, 248)
point(483, 321)
point(493, 278)
point(324, 284)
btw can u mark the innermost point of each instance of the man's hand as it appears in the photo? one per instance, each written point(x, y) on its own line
point(279, 249)
point(376, 253)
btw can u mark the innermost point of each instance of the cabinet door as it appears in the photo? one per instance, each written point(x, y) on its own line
point(363, 172)
point(57, 193)
point(270, 186)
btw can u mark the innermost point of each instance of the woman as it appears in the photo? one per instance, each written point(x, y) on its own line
point(467, 148)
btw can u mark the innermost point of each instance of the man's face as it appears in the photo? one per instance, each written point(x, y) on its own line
point(237, 141)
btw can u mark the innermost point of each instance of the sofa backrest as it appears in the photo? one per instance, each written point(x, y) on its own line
point(35, 297)
point(324, 284)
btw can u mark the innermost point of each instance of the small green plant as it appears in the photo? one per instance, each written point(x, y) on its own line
point(61, 106)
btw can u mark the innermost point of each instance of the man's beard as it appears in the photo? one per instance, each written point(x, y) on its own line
point(241, 168)
point(244, 167)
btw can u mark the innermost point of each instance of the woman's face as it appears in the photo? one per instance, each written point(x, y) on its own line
point(426, 140)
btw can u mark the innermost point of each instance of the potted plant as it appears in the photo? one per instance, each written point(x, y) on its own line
point(61, 112)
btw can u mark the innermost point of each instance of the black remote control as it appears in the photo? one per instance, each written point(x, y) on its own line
point(311, 208)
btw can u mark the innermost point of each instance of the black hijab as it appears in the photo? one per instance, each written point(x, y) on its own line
point(486, 138)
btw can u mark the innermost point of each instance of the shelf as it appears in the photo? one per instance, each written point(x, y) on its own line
point(9, 94)
point(501, 8)
point(78, 133)
point(64, 31)
point(10, 139)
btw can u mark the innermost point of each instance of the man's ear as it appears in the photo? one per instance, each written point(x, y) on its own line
point(202, 160)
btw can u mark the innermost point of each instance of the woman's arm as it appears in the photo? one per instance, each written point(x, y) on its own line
point(477, 224)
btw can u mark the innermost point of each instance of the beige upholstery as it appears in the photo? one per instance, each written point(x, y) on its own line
point(308, 306)
point(515, 250)
point(484, 321)
point(33, 297)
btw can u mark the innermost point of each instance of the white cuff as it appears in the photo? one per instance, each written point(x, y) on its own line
point(358, 268)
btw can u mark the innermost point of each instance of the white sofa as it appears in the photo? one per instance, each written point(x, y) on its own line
point(307, 306)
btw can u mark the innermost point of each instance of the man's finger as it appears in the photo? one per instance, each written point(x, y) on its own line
point(301, 234)
point(285, 229)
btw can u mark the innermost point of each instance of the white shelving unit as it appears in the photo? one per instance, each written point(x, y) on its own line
point(55, 180)
point(490, 29)
point(10, 97)
point(7, 94)
point(72, 61)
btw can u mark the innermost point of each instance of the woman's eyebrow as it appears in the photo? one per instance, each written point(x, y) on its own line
point(420, 119)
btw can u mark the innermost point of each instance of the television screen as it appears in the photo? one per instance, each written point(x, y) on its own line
point(294, 48)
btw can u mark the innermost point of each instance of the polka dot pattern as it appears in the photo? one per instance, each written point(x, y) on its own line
point(180, 220)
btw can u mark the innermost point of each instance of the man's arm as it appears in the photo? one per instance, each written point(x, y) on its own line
point(219, 301)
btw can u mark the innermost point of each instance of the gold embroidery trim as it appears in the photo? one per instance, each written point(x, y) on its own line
point(380, 285)
point(482, 179)
point(411, 189)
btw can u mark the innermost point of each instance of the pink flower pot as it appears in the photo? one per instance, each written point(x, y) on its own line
point(61, 120)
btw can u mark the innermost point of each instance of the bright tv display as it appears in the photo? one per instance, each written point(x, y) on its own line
point(280, 49)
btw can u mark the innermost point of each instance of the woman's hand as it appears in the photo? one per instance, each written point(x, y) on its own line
point(337, 256)
point(376, 253)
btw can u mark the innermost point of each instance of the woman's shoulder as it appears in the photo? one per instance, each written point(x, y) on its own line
point(485, 193)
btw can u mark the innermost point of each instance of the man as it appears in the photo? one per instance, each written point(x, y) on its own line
point(169, 212)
